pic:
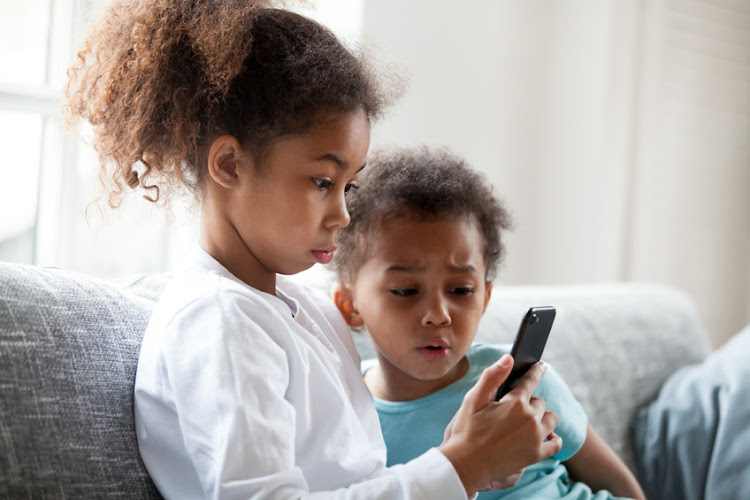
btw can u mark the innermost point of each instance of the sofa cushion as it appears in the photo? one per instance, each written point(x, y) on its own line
point(68, 354)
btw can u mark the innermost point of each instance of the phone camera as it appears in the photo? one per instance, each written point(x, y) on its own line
point(534, 318)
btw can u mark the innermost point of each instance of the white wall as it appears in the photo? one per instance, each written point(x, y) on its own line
point(618, 131)
point(560, 104)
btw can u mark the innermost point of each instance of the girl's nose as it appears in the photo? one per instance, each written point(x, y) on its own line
point(436, 313)
point(338, 215)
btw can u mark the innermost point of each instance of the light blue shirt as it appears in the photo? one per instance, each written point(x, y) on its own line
point(411, 427)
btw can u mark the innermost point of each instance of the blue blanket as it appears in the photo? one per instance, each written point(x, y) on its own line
point(693, 441)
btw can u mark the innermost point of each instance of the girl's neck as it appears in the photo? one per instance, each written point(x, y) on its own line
point(221, 240)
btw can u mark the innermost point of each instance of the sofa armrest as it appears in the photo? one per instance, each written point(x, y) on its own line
point(69, 349)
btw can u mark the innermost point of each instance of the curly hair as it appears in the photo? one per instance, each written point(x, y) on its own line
point(422, 184)
point(160, 79)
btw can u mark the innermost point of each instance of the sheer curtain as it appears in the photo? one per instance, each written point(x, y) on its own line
point(690, 218)
point(617, 132)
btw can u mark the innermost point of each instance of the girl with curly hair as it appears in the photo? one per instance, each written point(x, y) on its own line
point(248, 383)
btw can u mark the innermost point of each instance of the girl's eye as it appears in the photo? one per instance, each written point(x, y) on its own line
point(462, 290)
point(349, 187)
point(322, 184)
point(404, 292)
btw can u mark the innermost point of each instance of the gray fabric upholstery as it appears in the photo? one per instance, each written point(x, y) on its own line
point(68, 353)
point(69, 348)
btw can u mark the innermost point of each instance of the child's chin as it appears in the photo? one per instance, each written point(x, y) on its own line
point(292, 270)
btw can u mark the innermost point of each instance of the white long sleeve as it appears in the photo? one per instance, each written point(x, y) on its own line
point(242, 394)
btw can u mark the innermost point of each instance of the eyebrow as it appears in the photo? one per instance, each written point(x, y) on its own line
point(414, 269)
point(404, 269)
point(462, 269)
point(338, 161)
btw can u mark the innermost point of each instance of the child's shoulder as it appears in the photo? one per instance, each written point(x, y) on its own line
point(194, 292)
point(203, 289)
point(483, 355)
point(204, 281)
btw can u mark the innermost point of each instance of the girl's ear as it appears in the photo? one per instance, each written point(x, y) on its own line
point(342, 297)
point(224, 161)
point(487, 295)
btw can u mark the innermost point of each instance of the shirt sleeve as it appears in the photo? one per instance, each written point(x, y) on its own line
point(573, 419)
point(228, 376)
point(430, 475)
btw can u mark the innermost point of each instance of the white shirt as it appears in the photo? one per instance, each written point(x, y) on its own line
point(243, 394)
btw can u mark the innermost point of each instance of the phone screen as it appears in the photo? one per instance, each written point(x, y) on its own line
point(529, 344)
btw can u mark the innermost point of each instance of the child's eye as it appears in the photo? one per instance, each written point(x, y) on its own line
point(462, 290)
point(349, 187)
point(404, 292)
point(322, 184)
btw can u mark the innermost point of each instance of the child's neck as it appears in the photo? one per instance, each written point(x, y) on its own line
point(391, 384)
point(221, 240)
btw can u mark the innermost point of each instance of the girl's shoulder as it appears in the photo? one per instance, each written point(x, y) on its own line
point(209, 282)
point(203, 282)
point(197, 297)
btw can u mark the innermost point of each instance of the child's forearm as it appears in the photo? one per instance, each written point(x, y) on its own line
point(618, 481)
point(600, 468)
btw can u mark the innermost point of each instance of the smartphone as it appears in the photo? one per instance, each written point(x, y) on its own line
point(529, 344)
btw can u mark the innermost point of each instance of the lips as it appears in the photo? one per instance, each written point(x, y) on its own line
point(434, 350)
point(324, 256)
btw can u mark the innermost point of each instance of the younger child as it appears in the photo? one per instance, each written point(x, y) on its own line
point(415, 267)
point(248, 384)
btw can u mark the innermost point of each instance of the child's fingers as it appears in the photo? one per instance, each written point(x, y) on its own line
point(549, 421)
point(552, 445)
point(484, 390)
point(528, 383)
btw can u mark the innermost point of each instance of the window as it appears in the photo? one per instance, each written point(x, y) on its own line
point(50, 173)
point(25, 106)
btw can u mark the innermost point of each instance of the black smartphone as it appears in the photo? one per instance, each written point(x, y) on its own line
point(529, 344)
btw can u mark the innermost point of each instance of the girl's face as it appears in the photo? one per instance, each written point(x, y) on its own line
point(285, 215)
point(421, 295)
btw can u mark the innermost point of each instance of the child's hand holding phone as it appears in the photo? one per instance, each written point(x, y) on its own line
point(521, 432)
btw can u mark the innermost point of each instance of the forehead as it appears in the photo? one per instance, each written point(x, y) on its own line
point(341, 138)
point(414, 243)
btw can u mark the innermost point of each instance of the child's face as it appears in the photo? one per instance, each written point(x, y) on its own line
point(421, 295)
point(287, 216)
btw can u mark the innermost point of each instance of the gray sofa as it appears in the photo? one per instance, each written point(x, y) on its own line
point(69, 348)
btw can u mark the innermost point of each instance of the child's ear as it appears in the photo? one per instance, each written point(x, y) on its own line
point(342, 297)
point(224, 158)
point(487, 295)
